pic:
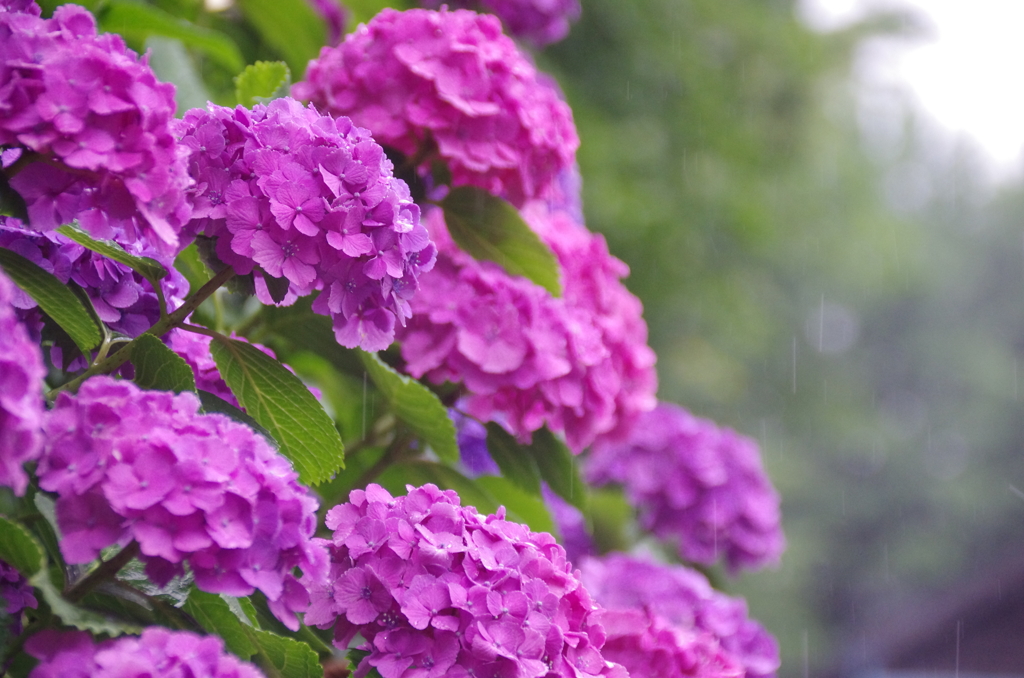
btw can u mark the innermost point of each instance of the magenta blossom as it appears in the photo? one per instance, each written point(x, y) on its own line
point(15, 596)
point(157, 652)
point(539, 22)
point(449, 84)
point(436, 589)
point(697, 483)
point(579, 364)
point(311, 201)
point(85, 127)
point(658, 613)
point(192, 488)
point(21, 392)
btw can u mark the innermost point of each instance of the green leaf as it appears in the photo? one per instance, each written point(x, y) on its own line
point(485, 494)
point(520, 506)
point(515, 462)
point(417, 473)
point(157, 367)
point(214, 403)
point(215, 616)
point(150, 269)
point(281, 657)
point(262, 81)
point(290, 26)
point(190, 265)
point(137, 21)
point(56, 300)
point(557, 467)
point(415, 405)
point(490, 228)
point(20, 549)
point(282, 404)
point(79, 617)
point(172, 63)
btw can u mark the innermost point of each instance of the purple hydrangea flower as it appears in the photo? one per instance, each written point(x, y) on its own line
point(292, 194)
point(436, 589)
point(696, 482)
point(539, 22)
point(21, 392)
point(123, 299)
point(579, 364)
point(471, 437)
point(449, 85)
point(128, 464)
point(643, 599)
point(157, 652)
point(15, 596)
point(89, 125)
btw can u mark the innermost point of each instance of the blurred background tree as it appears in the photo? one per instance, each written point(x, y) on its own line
point(824, 277)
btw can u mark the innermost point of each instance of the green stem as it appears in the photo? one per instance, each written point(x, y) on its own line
point(105, 571)
point(161, 327)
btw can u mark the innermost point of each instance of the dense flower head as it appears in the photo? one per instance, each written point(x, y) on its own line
point(21, 392)
point(157, 652)
point(651, 607)
point(449, 84)
point(696, 482)
point(15, 595)
point(579, 364)
point(540, 22)
point(123, 299)
point(311, 201)
point(86, 128)
point(436, 589)
point(129, 464)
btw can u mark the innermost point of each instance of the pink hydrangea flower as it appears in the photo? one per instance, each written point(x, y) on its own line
point(192, 488)
point(698, 483)
point(579, 364)
point(309, 200)
point(449, 84)
point(656, 613)
point(21, 392)
point(539, 22)
point(157, 652)
point(436, 589)
point(95, 123)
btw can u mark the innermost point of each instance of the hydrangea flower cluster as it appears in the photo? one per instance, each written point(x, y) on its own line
point(670, 612)
point(87, 128)
point(437, 589)
point(295, 195)
point(122, 298)
point(21, 393)
point(539, 22)
point(699, 483)
point(451, 84)
point(128, 464)
point(157, 652)
point(15, 596)
point(579, 363)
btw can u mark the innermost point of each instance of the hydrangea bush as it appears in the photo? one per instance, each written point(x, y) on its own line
point(295, 385)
